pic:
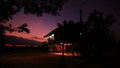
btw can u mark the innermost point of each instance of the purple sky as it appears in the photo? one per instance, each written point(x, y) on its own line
point(40, 26)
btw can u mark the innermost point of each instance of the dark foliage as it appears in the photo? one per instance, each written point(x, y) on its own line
point(93, 36)
point(23, 27)
point(37, 7)
point(8, 8)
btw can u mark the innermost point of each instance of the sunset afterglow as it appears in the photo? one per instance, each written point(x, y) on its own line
point(59, 33)
point(40, 26)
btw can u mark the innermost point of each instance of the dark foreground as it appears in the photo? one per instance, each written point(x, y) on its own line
point(39, 59)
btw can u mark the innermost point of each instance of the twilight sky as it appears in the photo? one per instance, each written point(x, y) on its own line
point(40, 26)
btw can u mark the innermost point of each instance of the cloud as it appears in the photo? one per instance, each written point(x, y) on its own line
point(19, 40)
point(35, 37)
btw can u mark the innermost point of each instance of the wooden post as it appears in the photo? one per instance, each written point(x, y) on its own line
point(73, 50)
point(62, 50)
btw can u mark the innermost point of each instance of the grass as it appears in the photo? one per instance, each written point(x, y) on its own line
point(31, 58)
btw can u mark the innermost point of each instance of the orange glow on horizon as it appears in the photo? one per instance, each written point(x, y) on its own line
point(8, 45)
point(38, 26)
point(26, 36)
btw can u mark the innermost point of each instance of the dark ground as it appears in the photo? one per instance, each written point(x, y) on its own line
point(35, 58)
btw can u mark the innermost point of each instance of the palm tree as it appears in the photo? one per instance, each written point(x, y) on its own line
point(65, 32)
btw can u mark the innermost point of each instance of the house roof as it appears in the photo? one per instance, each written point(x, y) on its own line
point(52, 32)
point(74, 27)
point(67, 33)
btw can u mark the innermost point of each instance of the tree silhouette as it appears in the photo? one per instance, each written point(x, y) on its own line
point(8, 8)
point(10, 28)
point(93, 36)
point(100, 36)
point(64, 32)
point(65, 35)
point(23, 27)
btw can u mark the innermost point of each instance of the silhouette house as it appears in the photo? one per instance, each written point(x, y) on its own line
point(66, 38)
